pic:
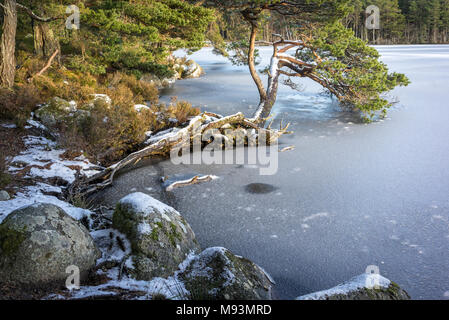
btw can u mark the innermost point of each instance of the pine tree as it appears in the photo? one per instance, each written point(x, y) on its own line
point(325, 51)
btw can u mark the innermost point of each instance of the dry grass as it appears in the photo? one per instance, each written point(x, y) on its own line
point(110, 132)
point(142, 91)
point(16, 104)
point(11, 144)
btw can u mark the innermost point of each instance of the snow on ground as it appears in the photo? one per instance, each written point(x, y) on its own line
point(43, 160)
point(104, 238)
point(35, 194)
point(171, 287)
point(366, 280)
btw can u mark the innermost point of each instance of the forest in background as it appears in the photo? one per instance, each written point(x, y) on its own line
point(401, 22)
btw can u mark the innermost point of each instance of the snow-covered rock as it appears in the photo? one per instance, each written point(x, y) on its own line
point(55, 110)
point(218, 274)
point(158, 82)
point(366, 286)
point(141, 107)
point(192, 70)
point(102, 97)
point(160, 237)
point(39, 242)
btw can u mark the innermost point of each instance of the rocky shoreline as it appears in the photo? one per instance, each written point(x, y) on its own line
point(143, 249)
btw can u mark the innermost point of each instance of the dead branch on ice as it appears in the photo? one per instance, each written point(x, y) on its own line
point(189, 182)
point(289, 148)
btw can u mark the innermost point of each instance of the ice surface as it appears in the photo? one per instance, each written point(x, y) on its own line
point(363, 176)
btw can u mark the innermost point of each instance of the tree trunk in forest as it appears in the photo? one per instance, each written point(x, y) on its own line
point(45, 42)
point(8, 44)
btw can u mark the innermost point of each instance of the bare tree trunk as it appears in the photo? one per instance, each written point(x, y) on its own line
point(45, 42)
point(8, 44)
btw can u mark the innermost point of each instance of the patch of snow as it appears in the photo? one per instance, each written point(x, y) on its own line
point(43, 155)
point(141, 107)
point(183, 227)
point(166, 217)
point(172, 287)
point(36, 124)
point(144, 228)
point(165, 134)
point(9, 126)
point(145, 204)
point(34, 194)
point(106, 241)
point(148, 134)
point(200, 269)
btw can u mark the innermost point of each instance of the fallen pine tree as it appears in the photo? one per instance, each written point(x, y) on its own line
point(162, 144)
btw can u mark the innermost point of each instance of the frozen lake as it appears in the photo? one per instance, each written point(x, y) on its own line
point(350, 195)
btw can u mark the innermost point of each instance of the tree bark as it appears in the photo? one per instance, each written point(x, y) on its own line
point(45, 42)
point(266, 105)
point(8, 44)
point(249, 16)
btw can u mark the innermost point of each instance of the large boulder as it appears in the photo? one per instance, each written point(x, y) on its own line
point(55, 110)
point(160, 237)
point(218, 274)
point(363, 287)
point(39, 242)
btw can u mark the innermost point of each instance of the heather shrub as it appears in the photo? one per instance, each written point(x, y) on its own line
point(5, 178)
point(142, 91)
point(16, 104)
point(182, 111)
point(111, 132)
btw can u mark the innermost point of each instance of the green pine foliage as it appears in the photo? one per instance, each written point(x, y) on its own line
point(351, 69)
point(136, 36)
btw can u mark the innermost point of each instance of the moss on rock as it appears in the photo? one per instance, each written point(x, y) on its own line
point(218, 274)
point(160, 238)
point(10, 240)
point(38, 243)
